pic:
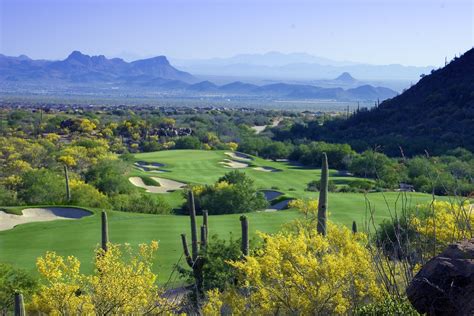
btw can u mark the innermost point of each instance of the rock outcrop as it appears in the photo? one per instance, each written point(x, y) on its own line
point(445, 284)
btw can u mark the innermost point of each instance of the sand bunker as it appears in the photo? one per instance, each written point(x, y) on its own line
point(149, 166)
point(166, 185)
point(266, 169)
point(234, 164)
point(8, 221)
point(239, 156)
point(278, 206)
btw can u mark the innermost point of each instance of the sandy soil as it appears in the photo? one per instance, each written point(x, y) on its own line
point(166, 185)
point(149, 166)
point(234, 164)
point(266, 169)
point(8, 221)
point(260, 128)
point(239, 156)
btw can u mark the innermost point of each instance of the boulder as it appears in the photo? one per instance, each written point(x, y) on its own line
point(445, 284)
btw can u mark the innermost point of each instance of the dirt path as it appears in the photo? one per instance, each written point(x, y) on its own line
point(260, 128)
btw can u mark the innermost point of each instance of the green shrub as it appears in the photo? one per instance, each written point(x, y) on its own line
point(389, 306)
point(7, 197)
point(84, 194)
point(188, 142)
point(314, 185)
point(14, 280)
point(235, 192)
point(140, 203)
point(42, 186)
point(109, 176)
point(150, 181)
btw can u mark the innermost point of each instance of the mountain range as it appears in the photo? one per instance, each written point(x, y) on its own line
point(157, 74)
point(78, 67)
point(275, 65)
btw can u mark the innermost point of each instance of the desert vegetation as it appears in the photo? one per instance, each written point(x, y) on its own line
point(350, 239)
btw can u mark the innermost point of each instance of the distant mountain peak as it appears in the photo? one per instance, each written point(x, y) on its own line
point(77, 56)
point(160, 60)
point(346, 78)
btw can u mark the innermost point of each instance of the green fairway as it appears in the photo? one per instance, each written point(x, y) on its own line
point(23, 244)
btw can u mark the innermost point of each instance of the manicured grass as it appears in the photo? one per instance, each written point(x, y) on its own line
point(150, 181)
point(23, 244)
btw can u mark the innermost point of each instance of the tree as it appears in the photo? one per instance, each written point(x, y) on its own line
point(42, 186)
point(235, 192)
point(109, 177)
point(187, 142)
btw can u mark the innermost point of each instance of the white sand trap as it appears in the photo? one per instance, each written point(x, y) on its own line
point(166, 185)
point(30, 215)
point(266, 169)
point(239, 156)
point(149, 166)
point(234, 164)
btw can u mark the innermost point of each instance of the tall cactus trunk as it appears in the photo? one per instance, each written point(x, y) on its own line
point(105, 231)
point(194, 259)
point(68, 191)
point(323, 197)
point(205, 216)
point(244, 223)
point(19, 305)
point(192, 216)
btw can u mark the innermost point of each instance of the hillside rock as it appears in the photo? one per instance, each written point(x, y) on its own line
point(445, 285)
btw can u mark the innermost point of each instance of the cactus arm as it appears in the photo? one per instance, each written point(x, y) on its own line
point(205, 216)
point(203, 237)
point(323, 197)
point(189, 260)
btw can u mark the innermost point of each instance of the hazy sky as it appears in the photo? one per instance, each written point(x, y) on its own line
point(410, 32)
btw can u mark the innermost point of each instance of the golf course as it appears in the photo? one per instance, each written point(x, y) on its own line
point(79, 237)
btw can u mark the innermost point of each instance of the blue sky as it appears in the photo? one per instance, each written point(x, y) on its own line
point(410, 32)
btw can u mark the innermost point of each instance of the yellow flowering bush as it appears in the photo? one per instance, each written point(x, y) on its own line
point(232, 146)
point(302, 273)
point(117, 286)
point(444, 222)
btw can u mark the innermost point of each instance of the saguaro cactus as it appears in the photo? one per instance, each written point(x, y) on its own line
point(323, 197)
point(354, 227)
point(68, 191)
point(19, 305)
point(105, 231)
point(244, 223)
point(194, 260)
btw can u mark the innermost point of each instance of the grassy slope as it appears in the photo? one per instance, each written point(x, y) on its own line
point(24, 243)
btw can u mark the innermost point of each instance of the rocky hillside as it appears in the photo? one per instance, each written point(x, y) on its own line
point(434, 115)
